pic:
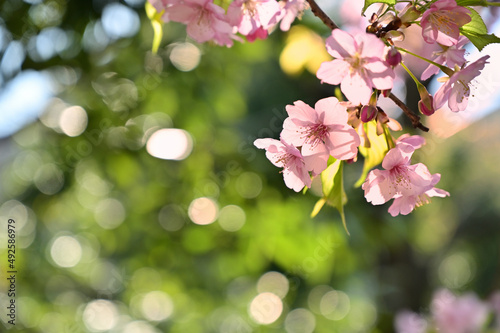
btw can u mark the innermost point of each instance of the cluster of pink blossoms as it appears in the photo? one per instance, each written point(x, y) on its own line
point(207, 21)
point(363, 66)
point(319, 133)
point(452, 314)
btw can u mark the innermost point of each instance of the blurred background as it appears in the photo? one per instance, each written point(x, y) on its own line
point(141, 204)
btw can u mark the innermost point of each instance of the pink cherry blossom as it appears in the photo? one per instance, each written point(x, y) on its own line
point(456, 89)
point(410, 322)
point(290, 9)
point(247, 16)
point(409, 185)
point(322, 131)
point(450, 55)
point(454, 314)
point(288, 157)
point(359, 65)
point(205, 21)
point(441, 22)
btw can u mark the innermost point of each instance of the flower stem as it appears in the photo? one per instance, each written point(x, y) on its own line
point(322, 15)
point(445, 69)
point(489, 3)
point(415, 119)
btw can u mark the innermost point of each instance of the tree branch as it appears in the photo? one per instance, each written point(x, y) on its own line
point(415, 119)
point(321, 14)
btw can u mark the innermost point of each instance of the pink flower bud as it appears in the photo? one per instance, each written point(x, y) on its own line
point(368, 112)
point(426, 109)
point(393, 57)
point(425, 105)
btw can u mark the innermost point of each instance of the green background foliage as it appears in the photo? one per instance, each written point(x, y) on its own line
point(52, 185)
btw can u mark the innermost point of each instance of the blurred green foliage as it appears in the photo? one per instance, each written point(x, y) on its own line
point(99, 276)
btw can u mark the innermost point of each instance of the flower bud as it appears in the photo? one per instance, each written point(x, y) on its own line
point(393, 57)
point(368, 112)
point(425, 105)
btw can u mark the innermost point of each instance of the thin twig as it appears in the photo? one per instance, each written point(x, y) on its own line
point(321, 14)
point(415, 119)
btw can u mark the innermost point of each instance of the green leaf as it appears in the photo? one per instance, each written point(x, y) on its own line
point(333, 190)
point(476, 25)
point(368, 3)
point(157, 24)
point(481, 40)
point(328, 177)
point(375, 153)
point(477, 32)
point(317, 207)
point(465, 3)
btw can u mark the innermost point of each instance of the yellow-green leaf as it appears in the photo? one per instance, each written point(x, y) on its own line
point(157, 24)
point(375, 153)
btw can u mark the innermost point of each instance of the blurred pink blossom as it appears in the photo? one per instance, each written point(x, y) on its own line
point(205, 21)
point(410, 322)
point(463, 314)
point(290, 9)
point(247, 16)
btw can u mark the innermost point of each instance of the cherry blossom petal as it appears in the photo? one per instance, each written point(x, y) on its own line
point(402, 205)
point(377, 187)
point(201, 30)
point(380, 75)
point(181, 13)
point(333, 72)
point(369, 45)
point(343, 142)
point(331, 112)
point(340, 44)
point(356, 89)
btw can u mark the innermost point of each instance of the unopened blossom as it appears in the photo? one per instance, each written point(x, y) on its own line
point(359, 65)
point(247, 16)
point(450, 56)
point(456, 89)
point(290, 9)
point(462, 314)
point(322, 131)
point(409, 185)
point(205, 21)
point(442, 21)
point(288, 157)
point(410, 322)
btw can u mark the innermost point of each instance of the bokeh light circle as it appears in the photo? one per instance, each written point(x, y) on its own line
point(100, 315)
point(300, 321)
point(203, 211)
point(66, 251)
point(170, 144)
point(266, 308)
point(273, 282)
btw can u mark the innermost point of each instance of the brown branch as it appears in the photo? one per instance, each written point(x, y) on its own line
point(415, 119)
point(321, 14)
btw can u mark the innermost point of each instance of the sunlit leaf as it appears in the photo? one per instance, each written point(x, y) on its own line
point(477, 32)
point(157, 24)
point(368, 3)
point(374, 154)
